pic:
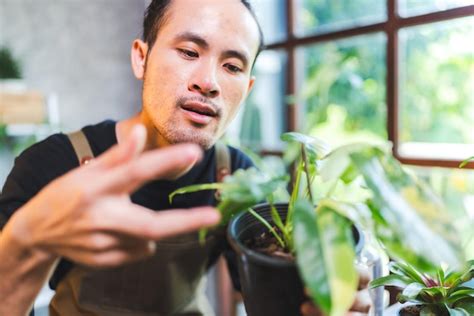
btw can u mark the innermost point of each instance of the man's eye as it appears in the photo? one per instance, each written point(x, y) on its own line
point(188, 53)
point(233, 68)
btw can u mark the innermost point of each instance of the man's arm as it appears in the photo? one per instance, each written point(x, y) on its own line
point(87, 216)
point(22, 273)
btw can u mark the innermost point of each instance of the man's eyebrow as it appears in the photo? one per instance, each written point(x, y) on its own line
point(236, 54)
point(192, 37)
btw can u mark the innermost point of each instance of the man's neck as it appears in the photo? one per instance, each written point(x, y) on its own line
point(124, 127)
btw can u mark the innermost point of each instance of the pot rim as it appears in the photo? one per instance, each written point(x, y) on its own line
point(240, 248)
point(261, 258)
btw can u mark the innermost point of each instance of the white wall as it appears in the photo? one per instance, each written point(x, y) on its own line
point(78, 49)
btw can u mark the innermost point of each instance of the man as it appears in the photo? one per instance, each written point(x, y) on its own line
point(195, 63)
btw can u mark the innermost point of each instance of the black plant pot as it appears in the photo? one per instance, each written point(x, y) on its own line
point(270, 285)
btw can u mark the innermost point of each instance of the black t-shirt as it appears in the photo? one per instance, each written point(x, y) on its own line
point(54, 156)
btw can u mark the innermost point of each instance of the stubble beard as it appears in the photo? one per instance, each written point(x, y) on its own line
point(175, 133)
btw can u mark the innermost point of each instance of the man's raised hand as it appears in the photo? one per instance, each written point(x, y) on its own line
point(86, 215)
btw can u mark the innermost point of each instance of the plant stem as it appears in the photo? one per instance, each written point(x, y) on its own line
point(270, 228)
point(306, 170)
point(294, 195)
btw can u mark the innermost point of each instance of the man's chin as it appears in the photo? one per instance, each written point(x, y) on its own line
point(203, 140)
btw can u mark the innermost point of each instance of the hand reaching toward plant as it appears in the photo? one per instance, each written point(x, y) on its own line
point(86, 216)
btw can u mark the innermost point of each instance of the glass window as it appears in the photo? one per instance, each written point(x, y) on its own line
point(436, 75)
point(260, 121)
point(271, 15)
point(342, 86)
point(322, 16)
point(417, 7)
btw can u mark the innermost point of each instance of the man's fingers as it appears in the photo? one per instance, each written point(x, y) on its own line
point(362, 302)
point(149, 166)
point(130, 148)
point(364, 276)
point(143, 223)
point(111, 258)
point(99, 242)
point(308, 309)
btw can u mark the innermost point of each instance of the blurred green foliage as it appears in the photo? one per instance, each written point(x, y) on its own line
point(437, 82)
point(344, 89)
point(327, 15)
point(9, 67)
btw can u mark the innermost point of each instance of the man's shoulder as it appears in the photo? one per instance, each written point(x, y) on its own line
point(57, 148)
point(54, 148)
point(40, 164)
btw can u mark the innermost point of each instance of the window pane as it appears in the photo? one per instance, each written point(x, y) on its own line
point(343, 89)
point(271, 15)
point(260, 121)
point(436, 90)
point(417, 7)
point(322, 16)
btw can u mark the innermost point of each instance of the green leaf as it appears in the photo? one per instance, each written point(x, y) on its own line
point(197, 188)
point(239, 191)
point(325, 257)
point(452, 278)
point(268, 226)
point(433, 294)
point(465, 162)
point(441, 276)
point(429, 311)
point(467, 304)
point(338, 164)
point(276, 218)
point(457, 311)
point(317, 148)
point(412, 290)
point(460, 294)
point(419, 231)
point(466, 291)
point(308, 247)
point(350, 174)
point(403, 269)
point(390, 280)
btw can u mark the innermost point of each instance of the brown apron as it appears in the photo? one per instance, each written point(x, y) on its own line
point(172, 282)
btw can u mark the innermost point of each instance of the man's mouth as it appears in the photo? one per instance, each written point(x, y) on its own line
point(198, 112)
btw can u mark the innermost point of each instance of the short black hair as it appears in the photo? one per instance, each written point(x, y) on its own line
point(155, 17)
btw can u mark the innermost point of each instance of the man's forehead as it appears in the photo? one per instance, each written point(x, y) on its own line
point(227, 20)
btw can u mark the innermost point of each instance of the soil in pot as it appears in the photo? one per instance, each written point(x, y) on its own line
point(267, 244)
point(412, 310)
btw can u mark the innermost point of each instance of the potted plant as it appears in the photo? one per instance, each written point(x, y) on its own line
point(316, 230)
point(443, 294)
point(10, 72)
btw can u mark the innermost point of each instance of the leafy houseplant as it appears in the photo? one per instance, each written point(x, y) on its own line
point(443, 294)
point(399, 211)
point(9, 67)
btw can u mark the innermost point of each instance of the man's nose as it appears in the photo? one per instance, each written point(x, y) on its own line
point(204, 81)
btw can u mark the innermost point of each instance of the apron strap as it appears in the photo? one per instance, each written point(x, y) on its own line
point(223, 164)
point(81, 146)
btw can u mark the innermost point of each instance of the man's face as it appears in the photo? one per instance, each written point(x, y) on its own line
point(198, 70)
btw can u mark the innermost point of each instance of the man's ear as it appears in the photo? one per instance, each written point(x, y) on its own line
point(138, 58)
point(251, 82)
